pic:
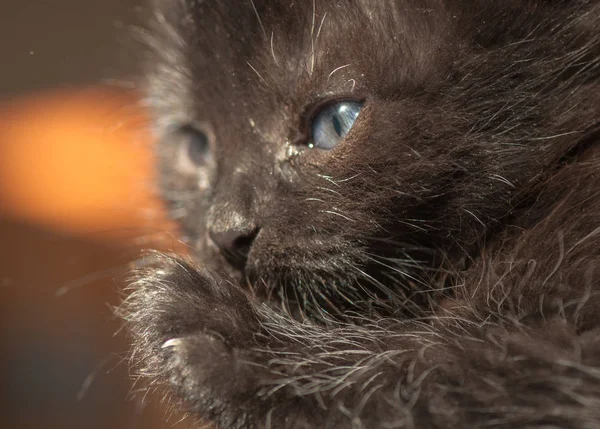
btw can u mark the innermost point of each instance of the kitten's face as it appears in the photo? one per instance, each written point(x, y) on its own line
point(270, 177)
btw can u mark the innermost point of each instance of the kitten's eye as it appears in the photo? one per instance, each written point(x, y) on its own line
point(193, 147)
point(330, 125)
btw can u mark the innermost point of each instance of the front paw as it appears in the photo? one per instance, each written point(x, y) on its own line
point(173, 299)
point(200, 334)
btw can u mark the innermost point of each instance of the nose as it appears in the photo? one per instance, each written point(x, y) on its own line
point(234, 243)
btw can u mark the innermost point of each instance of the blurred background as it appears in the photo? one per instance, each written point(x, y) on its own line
point(76, 207)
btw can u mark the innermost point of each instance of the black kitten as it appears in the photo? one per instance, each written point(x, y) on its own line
point(395, 207)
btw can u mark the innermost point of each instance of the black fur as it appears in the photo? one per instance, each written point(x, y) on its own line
point(437, 269)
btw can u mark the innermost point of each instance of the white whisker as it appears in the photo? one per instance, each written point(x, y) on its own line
point(256, 71)
point(273, 50)
point(259, 20)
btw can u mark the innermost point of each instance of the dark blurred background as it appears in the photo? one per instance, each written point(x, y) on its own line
point(76, 206)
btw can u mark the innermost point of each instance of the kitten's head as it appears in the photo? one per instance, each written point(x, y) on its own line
point(333, 151)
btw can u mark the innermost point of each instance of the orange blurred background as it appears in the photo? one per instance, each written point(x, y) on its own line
point(77, 205)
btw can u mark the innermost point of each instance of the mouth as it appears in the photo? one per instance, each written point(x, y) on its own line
point(327, 278)
point(305, 274)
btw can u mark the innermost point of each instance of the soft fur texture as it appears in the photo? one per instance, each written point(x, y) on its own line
point(437, 269)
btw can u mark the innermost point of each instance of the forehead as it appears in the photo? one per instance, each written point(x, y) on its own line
point(288, 50)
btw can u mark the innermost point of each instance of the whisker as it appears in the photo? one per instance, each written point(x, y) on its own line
point(337, 69)
point(256, 71)
point(259, 20)
point(90, 278)
point(273, 50)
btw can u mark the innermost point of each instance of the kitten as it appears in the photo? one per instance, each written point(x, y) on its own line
point(395, 211)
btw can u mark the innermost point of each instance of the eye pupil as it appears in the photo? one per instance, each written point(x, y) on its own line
point(197, 147)
point(336, 125)
point(331, 125)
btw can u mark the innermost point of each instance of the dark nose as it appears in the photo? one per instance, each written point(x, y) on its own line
point(234, 243)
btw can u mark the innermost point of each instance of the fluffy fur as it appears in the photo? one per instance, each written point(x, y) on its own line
point(437, 269)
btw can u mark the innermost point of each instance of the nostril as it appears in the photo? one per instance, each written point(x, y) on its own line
point(225, 239)
point(244, 243)
point(234, 244)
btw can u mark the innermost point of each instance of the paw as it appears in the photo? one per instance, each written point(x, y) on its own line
point(200, 334)
point(213, 380)
point(235, 388)
point(174, 299)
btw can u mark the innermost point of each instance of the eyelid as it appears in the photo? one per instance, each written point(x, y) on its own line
point(321, 103)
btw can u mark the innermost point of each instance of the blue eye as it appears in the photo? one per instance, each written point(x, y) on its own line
point(192, 145)
point(196, 146)
point(331, 124)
